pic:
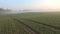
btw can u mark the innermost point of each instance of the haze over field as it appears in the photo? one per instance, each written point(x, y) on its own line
point(29, 5)
point(29, 16)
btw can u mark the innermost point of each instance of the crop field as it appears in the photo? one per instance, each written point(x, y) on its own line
point(30, 23)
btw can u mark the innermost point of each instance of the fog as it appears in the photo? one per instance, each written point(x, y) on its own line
point(24, 11)
point(19, 12)
point(11, 12)
point(14, 12)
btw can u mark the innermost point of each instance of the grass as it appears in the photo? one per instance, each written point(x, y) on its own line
point(47, 18)
point(8, 25)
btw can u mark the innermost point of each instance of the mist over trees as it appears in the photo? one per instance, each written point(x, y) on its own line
point(2, 10)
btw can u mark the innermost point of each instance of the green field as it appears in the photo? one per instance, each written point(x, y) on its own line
point(30, 23)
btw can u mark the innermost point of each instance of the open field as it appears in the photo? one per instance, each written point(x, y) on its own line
point(30, 23)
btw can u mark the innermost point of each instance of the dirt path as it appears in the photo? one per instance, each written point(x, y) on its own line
point(26, 27)
point(55, 27)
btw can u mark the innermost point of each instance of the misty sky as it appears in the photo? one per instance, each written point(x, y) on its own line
point(30, 4)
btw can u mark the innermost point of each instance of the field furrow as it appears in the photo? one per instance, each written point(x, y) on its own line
point(26, 27)
point(10, 27)
point(55, 27)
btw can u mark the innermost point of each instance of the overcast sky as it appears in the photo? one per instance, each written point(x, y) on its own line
point(30, 4)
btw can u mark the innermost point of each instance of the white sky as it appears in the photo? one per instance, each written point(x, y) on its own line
point(47, 4)
point(31, 4)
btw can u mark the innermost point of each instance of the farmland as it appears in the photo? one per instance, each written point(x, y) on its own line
point(30, 23)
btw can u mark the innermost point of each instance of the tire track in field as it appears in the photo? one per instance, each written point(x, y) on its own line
point(26, 27)
point(55, 27)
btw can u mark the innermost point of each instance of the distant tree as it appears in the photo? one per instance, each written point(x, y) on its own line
point(7, 10)
point(4, 10)
point(1, 9)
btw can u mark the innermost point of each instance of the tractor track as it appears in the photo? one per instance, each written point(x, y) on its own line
point(26, 27)
point(55, 27)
